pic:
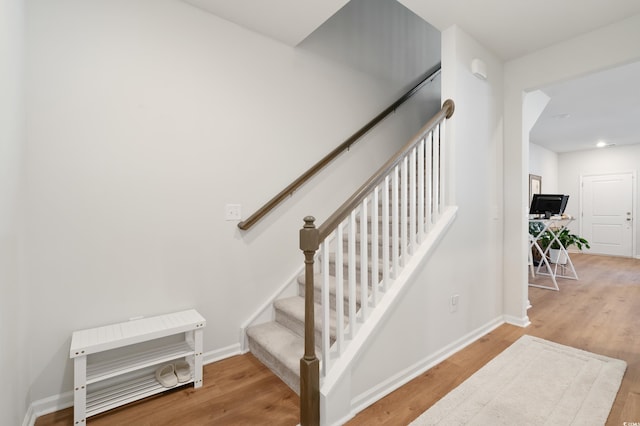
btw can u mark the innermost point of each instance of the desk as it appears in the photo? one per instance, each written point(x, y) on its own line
point(553, 225)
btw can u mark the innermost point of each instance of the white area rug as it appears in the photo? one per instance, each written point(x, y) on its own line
point(533, 382)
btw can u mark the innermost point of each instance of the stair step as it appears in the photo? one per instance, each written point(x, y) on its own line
point(317, 286)
point(370, 220)
point(380, 233)
point(345, 245)
point(317, 293)
point(290, 314)
point(345, 268)
point(278, 348)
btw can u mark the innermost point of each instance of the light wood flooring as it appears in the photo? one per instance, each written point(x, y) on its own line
point(599, 313)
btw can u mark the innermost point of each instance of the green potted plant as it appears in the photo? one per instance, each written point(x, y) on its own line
point(566, 238)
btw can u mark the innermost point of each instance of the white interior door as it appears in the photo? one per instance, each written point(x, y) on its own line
point(607, 213)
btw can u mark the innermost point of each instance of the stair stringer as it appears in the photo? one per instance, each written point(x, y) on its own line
point(335, 388)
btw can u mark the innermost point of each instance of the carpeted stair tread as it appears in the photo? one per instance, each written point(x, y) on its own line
point(370, 220)
point(278, 348)
point(290, 314)
point(358, 241)
point(332, 259)
point(317, 285)
point(345, 267)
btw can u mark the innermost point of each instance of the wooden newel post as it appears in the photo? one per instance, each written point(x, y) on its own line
point(309, 363)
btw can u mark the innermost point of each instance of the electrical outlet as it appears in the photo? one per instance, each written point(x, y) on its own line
point(453, 303)
point(232, 212)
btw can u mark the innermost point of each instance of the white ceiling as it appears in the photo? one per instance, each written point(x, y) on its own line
point(602, 106)
point(289, 21)
point(510, 28)
point(513, 28)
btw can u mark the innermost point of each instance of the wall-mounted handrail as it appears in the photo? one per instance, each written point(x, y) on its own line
point(302, 179)
point(347, 207)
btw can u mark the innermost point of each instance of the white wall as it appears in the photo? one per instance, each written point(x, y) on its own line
point(573, 165)
point(12, 331)
point(603, 48)
point(144, 119)
point(543, 162)
point(468, 261)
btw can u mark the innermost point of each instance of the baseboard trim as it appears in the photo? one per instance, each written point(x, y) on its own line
point(222, 353)
point(59, 402)
point(520, 322)
point(29, 417)
point(383, 389)
point(47, 405)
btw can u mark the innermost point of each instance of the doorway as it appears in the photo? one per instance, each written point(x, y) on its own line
point(606, 209)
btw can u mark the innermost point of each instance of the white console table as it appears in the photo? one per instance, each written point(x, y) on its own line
point(115, 364)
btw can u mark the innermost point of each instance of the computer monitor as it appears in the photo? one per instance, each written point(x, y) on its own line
point(548, 204)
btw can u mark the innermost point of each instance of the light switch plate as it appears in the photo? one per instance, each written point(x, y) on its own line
point(453, 304)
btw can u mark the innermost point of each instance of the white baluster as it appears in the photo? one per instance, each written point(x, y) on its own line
point(352, 274)
point(386, 260)
point(428, 151)
point(395, 217)
point(339, 289)
point(436, 174)
point(364, 261)
point(404, 207)
point(443, 166)
point(412, 201)
point(420, 202)
point(326, 308)
point(375, 240)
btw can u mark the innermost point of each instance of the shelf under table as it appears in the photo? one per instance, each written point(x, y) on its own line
point(123, 393)
point(111, 368)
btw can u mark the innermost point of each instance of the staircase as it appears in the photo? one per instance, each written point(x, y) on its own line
point(368, 252)
point(279, 344)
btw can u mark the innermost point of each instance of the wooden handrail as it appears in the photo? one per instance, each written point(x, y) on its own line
point(347, 207)
point(302, 179)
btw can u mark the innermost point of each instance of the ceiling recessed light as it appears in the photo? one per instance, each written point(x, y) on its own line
point(603, 144)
